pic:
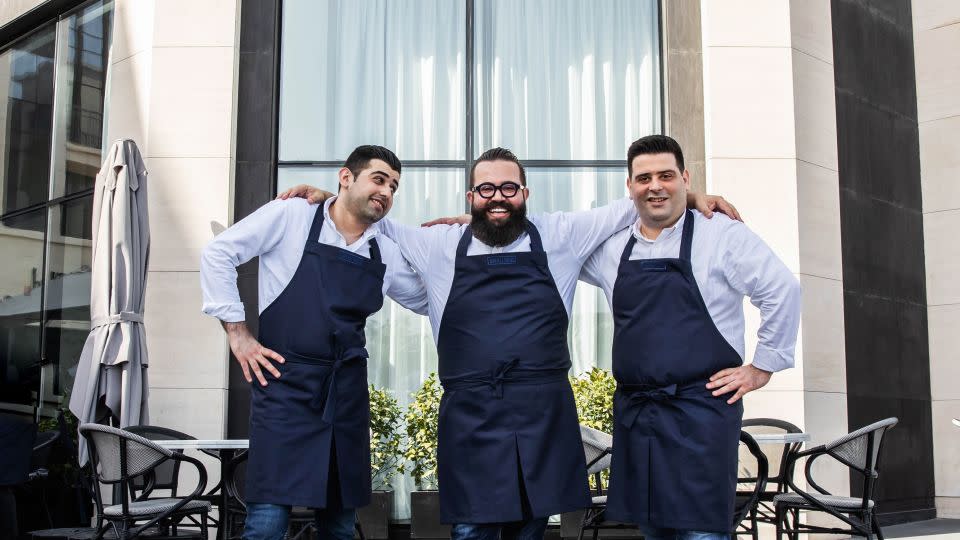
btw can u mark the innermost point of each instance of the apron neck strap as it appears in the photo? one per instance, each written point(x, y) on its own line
point(317, 226)
point(536, 245)
point(374, 250)
point(686, 240)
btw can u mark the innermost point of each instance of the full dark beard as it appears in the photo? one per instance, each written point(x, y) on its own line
point(498, 235)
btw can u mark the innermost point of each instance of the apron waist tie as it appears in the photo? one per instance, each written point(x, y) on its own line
point(506, 373)
point(638, 395)
point(329, 403)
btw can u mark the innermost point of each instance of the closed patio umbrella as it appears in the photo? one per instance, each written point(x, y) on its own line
point(112, 371)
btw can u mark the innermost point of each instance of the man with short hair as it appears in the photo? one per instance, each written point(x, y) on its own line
point(675, 282)
point(323, 271)
point(500, 290)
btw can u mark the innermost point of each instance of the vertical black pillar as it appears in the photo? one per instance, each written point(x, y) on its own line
point(255, 177)
point(885, 308)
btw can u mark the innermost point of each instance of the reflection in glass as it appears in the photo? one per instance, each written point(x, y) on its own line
point(591, 325)
point(26, 118)
point(372, 72)
point(21, 282)
point(67, 293)
point(566, 79)
point(84, 43)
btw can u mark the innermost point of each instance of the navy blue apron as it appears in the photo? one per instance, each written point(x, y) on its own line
point(509, 444)
point(674, 444)
point(320, 403)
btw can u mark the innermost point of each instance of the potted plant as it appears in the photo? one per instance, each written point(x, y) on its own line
point(386, 451)
point(421, 457)
point(593, 393)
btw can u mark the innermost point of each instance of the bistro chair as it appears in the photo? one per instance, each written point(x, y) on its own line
point(777, 458)
point(117, 458)
point(860, 451)
point(751, 483)
point(598, 450)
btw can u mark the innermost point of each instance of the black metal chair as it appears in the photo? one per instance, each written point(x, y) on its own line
point(751, 484)
point(117, 458)
point(777, 459)
point(858, 450)
point(598, 450)
point(165, 476)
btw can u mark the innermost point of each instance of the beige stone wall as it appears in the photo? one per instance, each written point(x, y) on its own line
point(172, 90)
point(936, 31)
point(11, 9)
point(771, 149)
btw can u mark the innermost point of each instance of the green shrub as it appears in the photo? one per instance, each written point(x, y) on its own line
point(593, 393)
point(386, 438)
point(421, 419)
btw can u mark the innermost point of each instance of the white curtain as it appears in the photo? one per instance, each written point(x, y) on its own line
point(554, 80)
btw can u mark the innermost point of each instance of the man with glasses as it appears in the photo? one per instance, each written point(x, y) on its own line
point(500, 290)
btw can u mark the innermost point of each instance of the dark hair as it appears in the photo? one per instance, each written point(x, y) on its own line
point(499, 154)
point(361, 156)
point(654, 144)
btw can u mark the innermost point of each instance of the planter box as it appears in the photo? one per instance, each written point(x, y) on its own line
point(570, 528)
point(375, 518)
point(425, 516)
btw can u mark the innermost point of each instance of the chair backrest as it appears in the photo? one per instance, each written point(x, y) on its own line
point(42, 446)
point(120, 455)
point(776, 454)
point(860, 449)
point(752, 474)
point(595, 443)
point(167, 474)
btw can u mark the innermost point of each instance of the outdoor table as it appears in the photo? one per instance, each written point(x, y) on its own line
point(225, 450)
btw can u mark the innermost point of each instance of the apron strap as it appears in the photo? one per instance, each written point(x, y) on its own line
point(628, 250)
point(686, 241)
point(464, 242)
point(314, 235)
point(374, 250)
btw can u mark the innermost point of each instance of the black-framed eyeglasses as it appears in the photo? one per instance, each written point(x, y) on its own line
point(488, 190)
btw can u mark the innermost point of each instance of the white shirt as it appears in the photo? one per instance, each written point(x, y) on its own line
point(729, 262)
point(277, 232)
point(568, 239)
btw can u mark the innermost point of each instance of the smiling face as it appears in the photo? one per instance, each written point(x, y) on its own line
point(369, 195)
point(658, 188)
point(499, 220)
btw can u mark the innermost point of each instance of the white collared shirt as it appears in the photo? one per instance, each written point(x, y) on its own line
point(729, 262)
point(277, 233)
point(568, 239)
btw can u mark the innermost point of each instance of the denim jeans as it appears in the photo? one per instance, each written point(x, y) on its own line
point(269, 522)
point(531, 529)
point(652, 533)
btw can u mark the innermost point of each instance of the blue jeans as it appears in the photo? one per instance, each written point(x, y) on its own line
point(531, 529)
point(652, 533)
point(269, 522)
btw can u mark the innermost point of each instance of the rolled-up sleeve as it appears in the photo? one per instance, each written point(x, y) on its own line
point(252, 236)
point(755, 271)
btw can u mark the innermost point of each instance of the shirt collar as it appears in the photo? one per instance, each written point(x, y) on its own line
point(372, 231)
point(667, 232)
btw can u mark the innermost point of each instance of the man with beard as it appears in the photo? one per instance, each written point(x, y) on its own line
point(323, 271)
point(509, 453)
point(676, 282)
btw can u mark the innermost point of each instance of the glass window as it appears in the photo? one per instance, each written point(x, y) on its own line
point(566, 79)
point(566, 84)
point(21, 292)
point(372, 72)
point(46, 215)
point(26, 116)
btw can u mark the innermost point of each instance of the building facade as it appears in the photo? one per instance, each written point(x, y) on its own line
point(830, 124)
